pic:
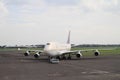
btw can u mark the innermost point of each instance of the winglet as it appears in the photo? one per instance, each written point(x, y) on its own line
point(68, 41)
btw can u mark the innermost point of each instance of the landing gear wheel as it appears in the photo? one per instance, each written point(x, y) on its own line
point(64, 58)
point(69, 58)
point(58, 57)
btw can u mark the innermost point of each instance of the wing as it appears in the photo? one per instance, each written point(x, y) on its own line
point(78, 53)
point(36, 53)
point(96, 51)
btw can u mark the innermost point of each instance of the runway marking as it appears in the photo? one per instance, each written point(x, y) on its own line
point(55, 74)
point(96, 72)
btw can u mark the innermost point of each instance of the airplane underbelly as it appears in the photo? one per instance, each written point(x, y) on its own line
point(53, 53)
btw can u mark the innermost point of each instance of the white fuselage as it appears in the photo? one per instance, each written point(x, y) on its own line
point(56, 49)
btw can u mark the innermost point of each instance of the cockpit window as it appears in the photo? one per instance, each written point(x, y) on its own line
point(48, 43)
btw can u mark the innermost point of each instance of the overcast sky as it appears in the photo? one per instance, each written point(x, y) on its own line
point(39, 21)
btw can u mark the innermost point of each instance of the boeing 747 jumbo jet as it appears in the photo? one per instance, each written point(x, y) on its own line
point(56, 51)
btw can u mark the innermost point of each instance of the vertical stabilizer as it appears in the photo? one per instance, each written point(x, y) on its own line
point(68, 41)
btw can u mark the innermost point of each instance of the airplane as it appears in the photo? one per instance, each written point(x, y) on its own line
point(57, 51)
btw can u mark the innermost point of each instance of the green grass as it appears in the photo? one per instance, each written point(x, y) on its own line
point(16, 49)
point(8, 49)
point(103, 50)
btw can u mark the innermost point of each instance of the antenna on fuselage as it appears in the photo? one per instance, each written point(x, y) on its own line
point(68, 41)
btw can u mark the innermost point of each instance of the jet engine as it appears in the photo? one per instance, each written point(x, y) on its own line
point(37, 55)
point(27, 53)
point(78, 55)
point(96, 53)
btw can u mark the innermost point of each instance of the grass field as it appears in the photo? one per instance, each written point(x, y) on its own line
point(103, 50)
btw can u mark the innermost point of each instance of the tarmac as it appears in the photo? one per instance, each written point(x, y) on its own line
point(15, 66)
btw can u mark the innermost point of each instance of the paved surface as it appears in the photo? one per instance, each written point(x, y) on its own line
point(15, 66)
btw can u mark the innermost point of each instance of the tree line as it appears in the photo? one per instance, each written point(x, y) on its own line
point(97, 45)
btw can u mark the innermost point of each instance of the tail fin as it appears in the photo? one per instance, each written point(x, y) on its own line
point(68, 41)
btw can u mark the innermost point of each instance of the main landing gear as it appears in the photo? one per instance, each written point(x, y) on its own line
point(64, 57)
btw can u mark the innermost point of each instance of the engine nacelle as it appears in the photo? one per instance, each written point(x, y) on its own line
point(96, 53)
point(78, 55)
point(27, 53)
point(37, 55)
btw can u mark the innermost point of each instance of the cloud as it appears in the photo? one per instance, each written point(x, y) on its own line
point(100, 5)
point(33, 6)
point(71, 14)
point(90, 19)
point(3, 9)
point(61, 2)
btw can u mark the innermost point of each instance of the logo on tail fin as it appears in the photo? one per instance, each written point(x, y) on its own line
point(68, 41)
